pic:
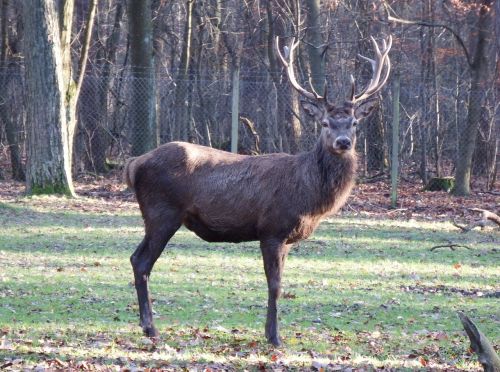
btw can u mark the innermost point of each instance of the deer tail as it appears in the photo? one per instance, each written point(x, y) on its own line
point(129, 172)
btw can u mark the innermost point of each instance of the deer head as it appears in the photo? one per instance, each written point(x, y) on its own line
point(339, 122)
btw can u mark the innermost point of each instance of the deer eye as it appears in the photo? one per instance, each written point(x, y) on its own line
point(354, 122)
point(324, 123)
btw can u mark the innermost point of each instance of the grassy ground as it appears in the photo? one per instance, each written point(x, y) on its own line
point(362, 293)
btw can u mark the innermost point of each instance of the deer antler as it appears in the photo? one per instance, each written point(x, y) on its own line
point(289, 51)
point(381, 60)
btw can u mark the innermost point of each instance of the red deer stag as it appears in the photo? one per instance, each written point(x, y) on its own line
point(277, 199)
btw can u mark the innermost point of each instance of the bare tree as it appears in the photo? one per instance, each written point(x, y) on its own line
point(479, 75)
point(182, 121)
point(95, 110)
point(480, 38)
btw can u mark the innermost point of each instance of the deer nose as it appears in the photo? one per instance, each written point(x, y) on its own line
point(343, 143)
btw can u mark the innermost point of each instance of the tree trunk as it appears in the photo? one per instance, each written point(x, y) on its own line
point(184, 81)
point(468, 133)
point(315, 40)
point(10, 129)
point(373, 126)
point(51, 93)
point(143, 100)
point(48, 167)
point(96, 125)
point(434, 114)
point(288, 125)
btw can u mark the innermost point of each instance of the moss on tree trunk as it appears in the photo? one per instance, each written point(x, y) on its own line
point(440, 184)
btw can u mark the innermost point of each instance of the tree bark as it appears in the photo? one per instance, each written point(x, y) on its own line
point(373, 125)
point(288, 125)
point(184, 81)
point(315, 40)
point(52, 93)
point(97, 126)
point(143, 101)
point(48, 167)
point(10, 128)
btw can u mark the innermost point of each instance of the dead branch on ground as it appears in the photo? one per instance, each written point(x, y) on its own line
point(486, 217)
point(452, 246)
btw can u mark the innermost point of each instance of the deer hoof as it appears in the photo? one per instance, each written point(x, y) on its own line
point(151, 332)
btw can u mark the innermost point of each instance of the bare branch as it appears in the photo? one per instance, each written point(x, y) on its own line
point(391, 18)
point(452, 246)
point(486, 216)
point(82, 63)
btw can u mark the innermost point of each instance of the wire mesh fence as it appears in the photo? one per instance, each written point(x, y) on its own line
point(120, 113)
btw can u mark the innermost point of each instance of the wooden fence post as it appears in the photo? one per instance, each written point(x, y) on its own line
point(235, 103)
point(395, 141)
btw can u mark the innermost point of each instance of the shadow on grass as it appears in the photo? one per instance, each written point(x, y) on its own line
point(12, 215)
point(358, 242)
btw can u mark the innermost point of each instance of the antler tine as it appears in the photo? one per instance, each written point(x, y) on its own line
point(291, 73)
point(381, 60)
point(325, 90)
point(312, 87)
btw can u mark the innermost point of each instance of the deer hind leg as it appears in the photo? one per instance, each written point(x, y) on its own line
point(274, 254)
point(158, 233)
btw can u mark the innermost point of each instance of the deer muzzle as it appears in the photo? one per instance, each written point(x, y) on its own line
point(343, 143)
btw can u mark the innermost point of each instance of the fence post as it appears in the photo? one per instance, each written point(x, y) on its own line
point(235, 103)
point(395, 141)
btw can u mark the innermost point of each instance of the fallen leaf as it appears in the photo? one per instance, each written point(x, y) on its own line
point(423, 361)
point(440, 336)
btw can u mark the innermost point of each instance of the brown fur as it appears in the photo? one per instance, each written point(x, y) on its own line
point(130, 169)
point(277, 199)
point(227, 197)
point(129, 173)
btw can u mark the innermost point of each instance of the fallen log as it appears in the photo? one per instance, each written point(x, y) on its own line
point(486, 217)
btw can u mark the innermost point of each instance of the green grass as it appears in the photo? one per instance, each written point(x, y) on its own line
point(360, 293)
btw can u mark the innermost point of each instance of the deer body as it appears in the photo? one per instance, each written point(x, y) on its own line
point(224, 197)
point(276, 199)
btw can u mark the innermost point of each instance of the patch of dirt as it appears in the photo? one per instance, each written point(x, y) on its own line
point(450, 290)
point(374, 200)
point(95, 194)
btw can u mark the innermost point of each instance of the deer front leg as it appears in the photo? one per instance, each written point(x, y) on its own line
point(274, 254)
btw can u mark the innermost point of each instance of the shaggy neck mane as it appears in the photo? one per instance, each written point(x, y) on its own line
point(336, 174)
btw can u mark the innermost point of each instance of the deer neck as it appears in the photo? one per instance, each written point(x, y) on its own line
point(335, 174)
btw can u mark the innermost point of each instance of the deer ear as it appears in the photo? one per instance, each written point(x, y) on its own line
point(312, 110)
point(365, 109)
